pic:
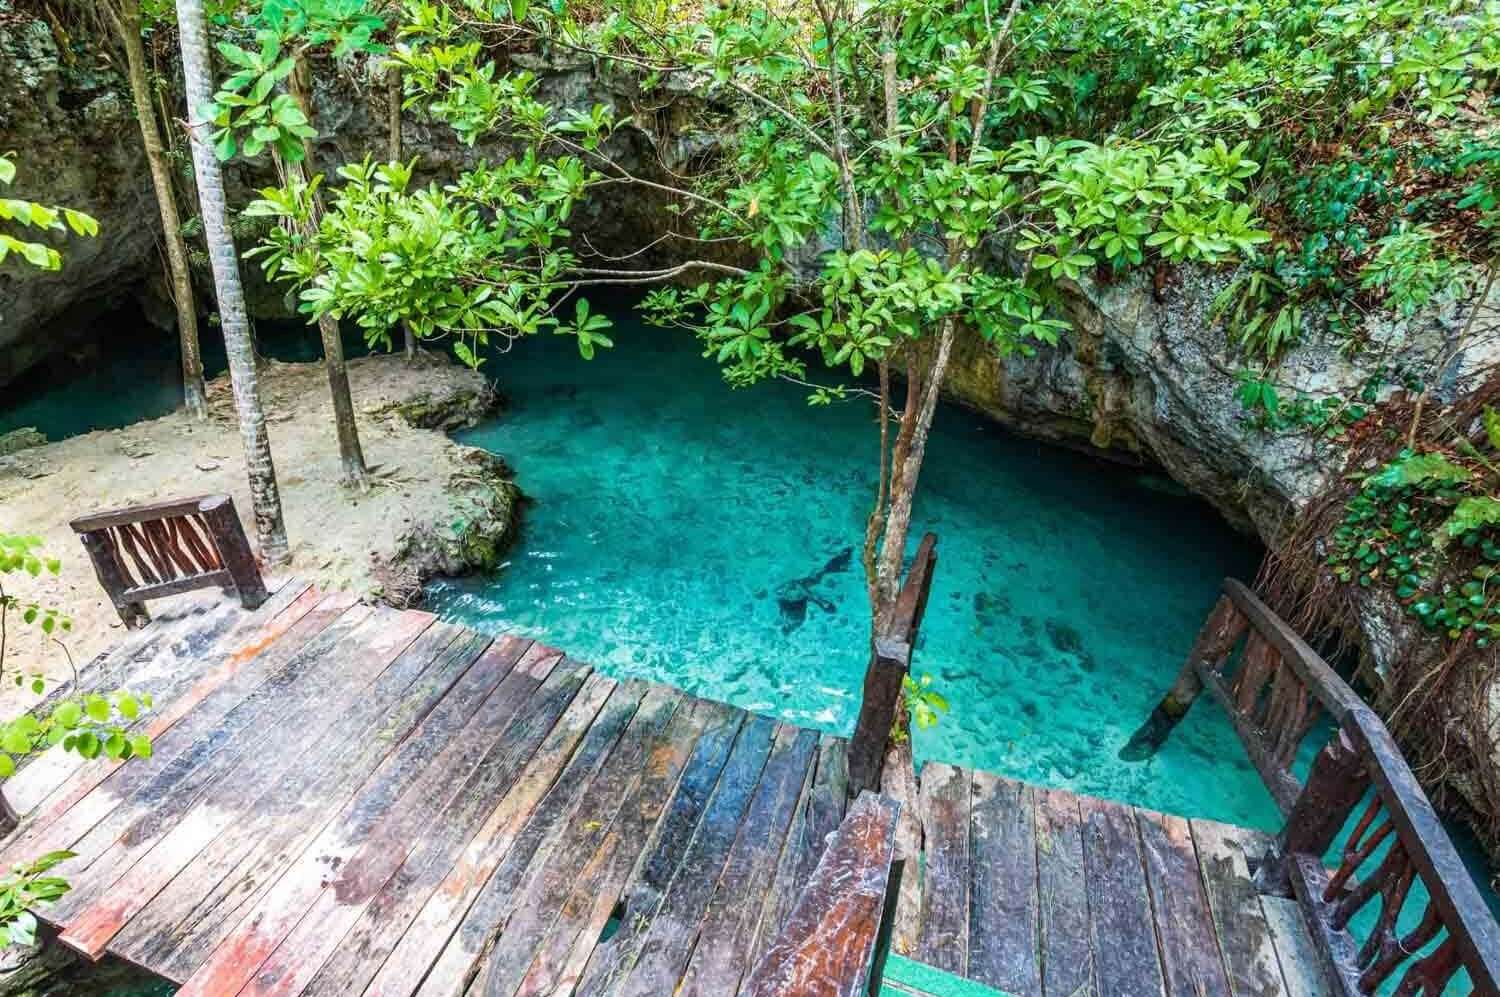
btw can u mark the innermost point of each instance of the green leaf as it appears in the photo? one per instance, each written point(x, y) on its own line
point(67, 715)
point(15, 742)
point(1472, 513)
point(1492, 426)
point(1419, 469)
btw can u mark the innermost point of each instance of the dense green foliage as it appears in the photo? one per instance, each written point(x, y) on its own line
point(1427, 525)
point(24, 888)
point(883, 173)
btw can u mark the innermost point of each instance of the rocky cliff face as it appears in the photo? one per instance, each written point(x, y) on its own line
point(75, 142)
point(1148, 375)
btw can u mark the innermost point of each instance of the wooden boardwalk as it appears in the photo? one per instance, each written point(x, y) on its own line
point(1037, 891)
point(345, 799)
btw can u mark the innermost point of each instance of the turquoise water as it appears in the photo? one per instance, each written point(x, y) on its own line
point(685, 532)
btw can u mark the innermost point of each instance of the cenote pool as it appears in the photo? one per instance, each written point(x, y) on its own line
point(690, 533)
point(685, 532)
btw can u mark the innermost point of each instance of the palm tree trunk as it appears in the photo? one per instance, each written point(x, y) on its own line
point(351, 454)
point(125, 15)
point(265, 497)
point(393, 118)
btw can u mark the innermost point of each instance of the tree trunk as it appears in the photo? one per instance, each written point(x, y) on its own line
point(393, 117)
point(351, 454)
point(265, 497)
point(127, 21)
point(910, 452)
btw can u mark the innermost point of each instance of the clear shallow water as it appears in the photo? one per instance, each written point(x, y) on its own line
point(688, 533)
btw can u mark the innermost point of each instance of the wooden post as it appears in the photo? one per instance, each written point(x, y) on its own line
point(1223, 627)
point(234, 549)
point(1335, 784)
point(107, 568)
point(877, 711)
point(889, 661)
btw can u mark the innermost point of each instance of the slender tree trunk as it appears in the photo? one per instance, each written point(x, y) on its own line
point(351, 454)
point(393, 117)
point(904, 478)
point(126, 17)
point(265, 497)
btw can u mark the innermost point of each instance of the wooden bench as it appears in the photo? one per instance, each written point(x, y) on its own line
point(827, 947)
point(168, 548)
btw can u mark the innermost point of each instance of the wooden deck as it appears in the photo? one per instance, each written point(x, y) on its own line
point(1035, 891)
point(344, 799)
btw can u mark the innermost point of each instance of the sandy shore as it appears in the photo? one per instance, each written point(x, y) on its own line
point(380, 544)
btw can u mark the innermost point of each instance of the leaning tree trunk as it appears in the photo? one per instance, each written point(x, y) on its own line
point(351, 454)
point(126, 16)
point(393, 115)
point(265, 497)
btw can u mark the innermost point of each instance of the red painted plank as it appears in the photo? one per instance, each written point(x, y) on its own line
point(245, 643)
point(184, 923)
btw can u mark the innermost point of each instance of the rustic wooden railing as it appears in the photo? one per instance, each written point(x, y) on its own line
point(890, 660)
point(152, 551)
point(827, 946)
point(1275, 690)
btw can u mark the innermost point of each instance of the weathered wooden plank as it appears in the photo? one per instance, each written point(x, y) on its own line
point(944, 796)
point(1062, 886)
point(146, 863)
point(349, 884)
point(829, 941)
point(1184, 925)
point(163, 664)
point(527, 910)
point(583, 916)
point(612, 960)
point(1244, 936)
point(1004, 915)
point(74, 810)
point(1296, 952)
point(1120, 928)
point(589, 726)
point(1338, 952)
point(351, 888)
point(820, 809)
point(246, 655)
point(162, 789)
point(669, 938)
point(177, 930)
point(721, 953)
point(395, 784)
